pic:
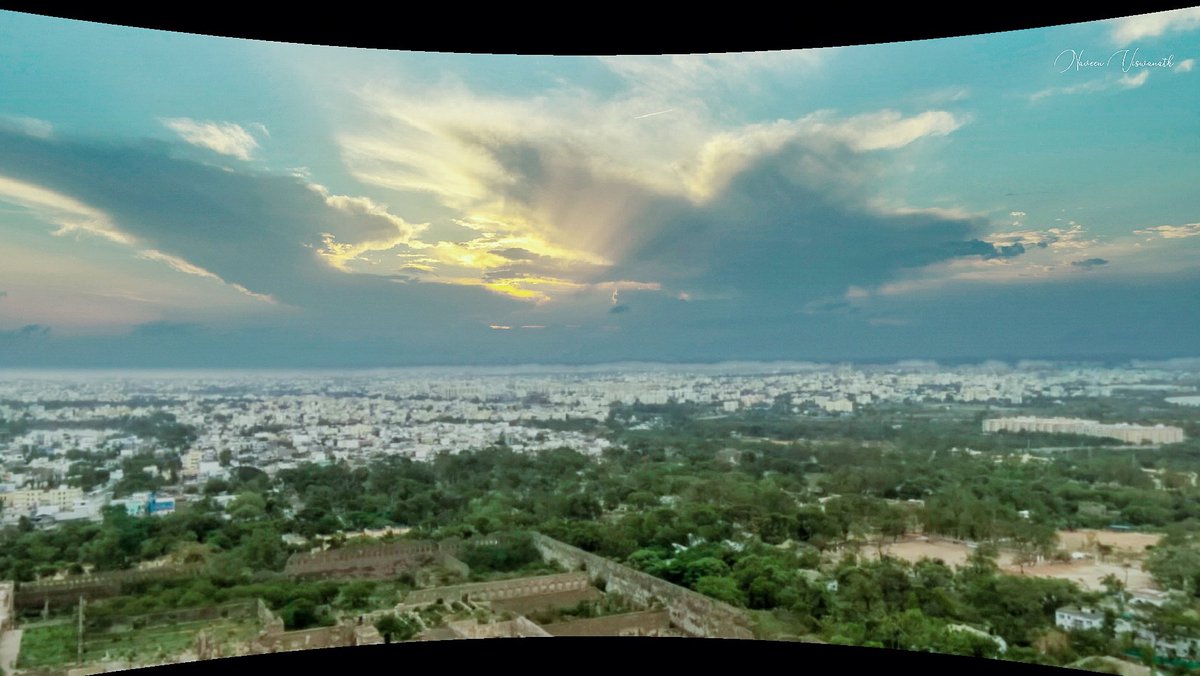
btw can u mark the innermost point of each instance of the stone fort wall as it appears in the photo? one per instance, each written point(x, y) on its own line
point(517, 628)
point(96, 585)
point(380, 561)
point(499, 590)
point(694, 613)
point(643, 623)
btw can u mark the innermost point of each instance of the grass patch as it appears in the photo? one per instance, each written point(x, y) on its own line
point(47, 645)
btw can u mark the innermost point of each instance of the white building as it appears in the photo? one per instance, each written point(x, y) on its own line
point(1074, 618)
point(1130, 434)
point(61, 497)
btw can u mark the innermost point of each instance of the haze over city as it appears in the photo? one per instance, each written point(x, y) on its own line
point(172, 200)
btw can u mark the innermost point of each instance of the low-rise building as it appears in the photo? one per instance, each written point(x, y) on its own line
point(1074, 618)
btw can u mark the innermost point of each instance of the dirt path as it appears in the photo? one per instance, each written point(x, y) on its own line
point(10, 647)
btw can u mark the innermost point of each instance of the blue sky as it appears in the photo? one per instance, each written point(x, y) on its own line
point(180, 200)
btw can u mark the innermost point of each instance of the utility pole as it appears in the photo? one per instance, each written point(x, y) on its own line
point(79, 637)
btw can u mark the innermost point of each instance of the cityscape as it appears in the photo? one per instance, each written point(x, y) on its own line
point(94, 452)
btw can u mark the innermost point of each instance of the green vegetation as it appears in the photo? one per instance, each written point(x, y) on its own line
point(48, 644)
point(397, 627)
point(764, 510)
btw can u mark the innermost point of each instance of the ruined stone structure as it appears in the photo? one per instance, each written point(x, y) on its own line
point(371, 562)
point(96, 585)
point(642, 623)
point(380, 561)
point(6, 606)
point(531, 604)
point(274, 639)
point(694, 613)
point(499, 590)
point(517, 628)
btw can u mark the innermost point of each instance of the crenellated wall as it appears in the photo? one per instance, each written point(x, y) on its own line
point(381, 561)
point(96, 585)
point(694, 613)
point(517, 628)
point(643, 623)
point(499, 590)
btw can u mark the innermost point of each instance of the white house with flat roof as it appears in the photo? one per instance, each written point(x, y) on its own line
point(1075, 618)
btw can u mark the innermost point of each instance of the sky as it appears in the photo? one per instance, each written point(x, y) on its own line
point(174, 200)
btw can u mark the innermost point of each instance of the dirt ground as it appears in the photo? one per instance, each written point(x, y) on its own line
point(1086, 572)
point(1133, 543)
point(1089, 573)
point(913, 550)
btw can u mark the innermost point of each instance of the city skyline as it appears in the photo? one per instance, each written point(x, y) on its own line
point(186, 201)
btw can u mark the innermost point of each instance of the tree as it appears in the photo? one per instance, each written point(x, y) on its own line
point(247, 506)
point(396, 628)
point(1175, 566)
point(708, 566)
point(357, 595)
point(721, 588)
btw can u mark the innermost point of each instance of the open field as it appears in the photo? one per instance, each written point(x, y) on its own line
point(53, 644)
point(913, 550)
point(1086, 572)
point(163, 641)
point(1132, 543)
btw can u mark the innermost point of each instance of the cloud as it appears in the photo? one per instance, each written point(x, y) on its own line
point(989, 250)
point(262, 234)
point(1131, 29)
point(72, 216)
point(225, 138)
point(828, 306)
point(1171, 231)
point(1072, 237)
point(569, 192)
point(30, 126)
point(176, 263)
point(27, 332)
point(563, 185)
point(1126, 81)
point(1089, 263)
point(1185, 66)
point(373, 228)
point(3, 294)
point(1135, 81)
point(702, 79)
point(618, 309)
point(728, 154)
point(69, 214)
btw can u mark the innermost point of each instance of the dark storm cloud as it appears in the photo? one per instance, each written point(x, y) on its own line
point(27, 332)
point(781, 235)
point(518, 254)
point(987, 250)
point(259, 230)
point(1089, 263)
point(618, 309)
